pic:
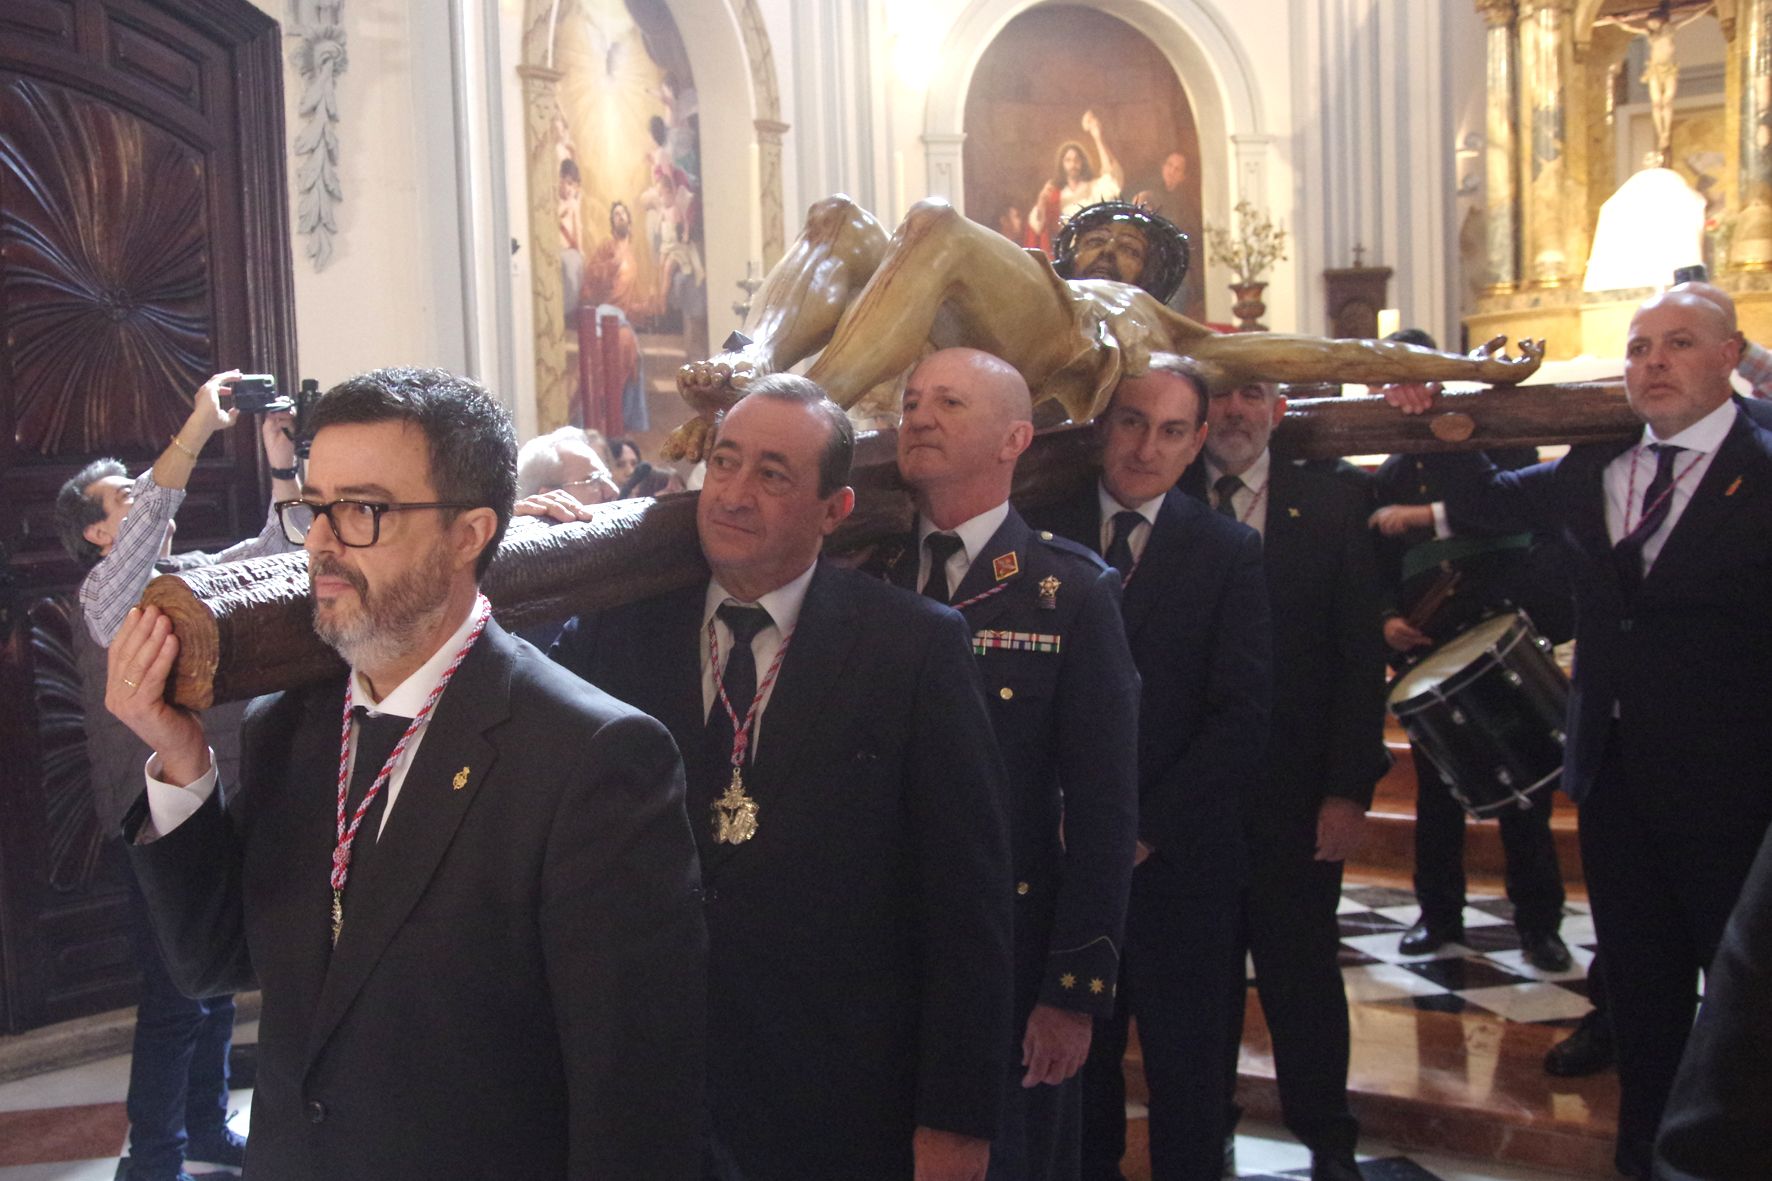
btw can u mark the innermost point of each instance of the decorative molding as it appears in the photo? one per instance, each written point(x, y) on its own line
point(320, 58)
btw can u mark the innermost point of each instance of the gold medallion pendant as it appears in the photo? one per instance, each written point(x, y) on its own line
point(735, 813)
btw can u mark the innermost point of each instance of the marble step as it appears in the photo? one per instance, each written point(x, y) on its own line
point(1471, 1086)
point(1388, 853)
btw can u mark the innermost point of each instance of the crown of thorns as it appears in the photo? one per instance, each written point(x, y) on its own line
point(1166, 253)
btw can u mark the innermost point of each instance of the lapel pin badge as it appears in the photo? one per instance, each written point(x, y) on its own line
point(1049, 593)
point(1006, 566)
point(461, 779)
point(1292, 512)
point(1733, 487)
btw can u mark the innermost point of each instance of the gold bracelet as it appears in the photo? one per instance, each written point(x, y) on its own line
point(185, 449)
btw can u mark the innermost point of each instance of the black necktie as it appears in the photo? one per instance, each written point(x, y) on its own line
point(1119, 550)
point(941, 547)
point(1658, 502)
point(1227, 487)
point(377, 735)
point(739, 677)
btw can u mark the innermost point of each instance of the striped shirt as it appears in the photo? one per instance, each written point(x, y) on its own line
point(115, 585)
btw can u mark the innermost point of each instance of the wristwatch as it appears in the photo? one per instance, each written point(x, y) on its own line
point(282, 473)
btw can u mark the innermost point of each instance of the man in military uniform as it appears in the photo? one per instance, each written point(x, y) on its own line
point(1063, 691)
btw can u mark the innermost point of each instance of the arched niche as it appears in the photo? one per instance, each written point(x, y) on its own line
point(740, 108)
point(1215, 72)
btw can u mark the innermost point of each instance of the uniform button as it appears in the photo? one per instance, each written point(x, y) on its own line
point(1022, 887)
point(1045, 536)
point(1005, 693)
point(316, 1111)
point(1625, 625)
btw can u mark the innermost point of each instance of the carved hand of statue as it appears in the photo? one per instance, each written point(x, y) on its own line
point(1497, 368)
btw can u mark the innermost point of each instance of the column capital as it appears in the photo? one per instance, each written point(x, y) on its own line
point(1497, 13)
point(770, 131)
point(1530, 8)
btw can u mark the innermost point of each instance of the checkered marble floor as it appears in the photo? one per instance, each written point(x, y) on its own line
point(1484, 973)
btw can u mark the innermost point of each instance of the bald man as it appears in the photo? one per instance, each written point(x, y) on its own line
point(1671, 543)
point(1063, 693)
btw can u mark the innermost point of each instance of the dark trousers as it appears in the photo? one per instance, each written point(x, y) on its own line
point(1295, 940)
point(178, 1069)
point(1182, 979)
point(1039, 1137)
point(1534, 879)
point(1662, 878)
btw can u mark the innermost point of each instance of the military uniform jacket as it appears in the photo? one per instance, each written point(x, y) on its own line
point(1063, 694)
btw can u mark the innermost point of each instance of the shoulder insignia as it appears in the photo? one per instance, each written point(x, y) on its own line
point(1006, 566)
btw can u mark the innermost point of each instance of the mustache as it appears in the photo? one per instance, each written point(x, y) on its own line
point(326, 566)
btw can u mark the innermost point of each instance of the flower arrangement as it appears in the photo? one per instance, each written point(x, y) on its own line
point(1258, 244)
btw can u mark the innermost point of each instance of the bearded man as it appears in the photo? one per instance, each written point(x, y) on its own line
point(484, 946)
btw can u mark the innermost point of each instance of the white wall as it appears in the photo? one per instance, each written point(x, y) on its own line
point(392, 291)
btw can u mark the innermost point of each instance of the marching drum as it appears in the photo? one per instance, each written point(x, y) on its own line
point(1487, 707)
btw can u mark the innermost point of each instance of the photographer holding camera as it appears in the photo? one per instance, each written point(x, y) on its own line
point(121, 530)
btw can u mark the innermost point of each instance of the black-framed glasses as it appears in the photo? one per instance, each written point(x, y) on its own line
point(356, 523)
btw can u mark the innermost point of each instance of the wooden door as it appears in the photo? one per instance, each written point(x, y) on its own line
point(144, 244)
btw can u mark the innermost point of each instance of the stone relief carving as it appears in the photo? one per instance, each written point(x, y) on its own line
point(320, 59)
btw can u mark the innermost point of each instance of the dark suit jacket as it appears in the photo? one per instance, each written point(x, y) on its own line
point(1066, 719)
point(1527, 571)
point(1328, 716)
point(520, 978)
point(859, 943)
point(1721, 1107)
point(1197, 620)
point(1687, 659)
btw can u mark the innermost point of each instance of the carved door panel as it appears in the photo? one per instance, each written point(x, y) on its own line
point(143, 246)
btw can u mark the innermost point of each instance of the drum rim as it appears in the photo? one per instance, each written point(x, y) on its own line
point(1512, 798)
point(1519, 628)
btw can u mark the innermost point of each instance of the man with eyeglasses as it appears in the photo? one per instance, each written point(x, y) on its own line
point(569, 459)
point(477, 933)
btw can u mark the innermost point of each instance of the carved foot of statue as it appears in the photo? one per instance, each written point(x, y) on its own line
point(710, 387)
point(1497, 368)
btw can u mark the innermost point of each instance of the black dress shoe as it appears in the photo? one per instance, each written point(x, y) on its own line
point(1425, 939)
point(1546, 951)
point(1334, 1168)
point(1586, 1051)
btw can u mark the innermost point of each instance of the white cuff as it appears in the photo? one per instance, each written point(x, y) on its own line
point(1442, 529)
point(169, 806)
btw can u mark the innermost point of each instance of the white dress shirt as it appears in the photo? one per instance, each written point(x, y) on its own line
point(974, 536)
point(169, 806)
point(1700, 442)
point(1249, 501)
point(783, 604)
point(1637, 465)
point(1141, 533)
